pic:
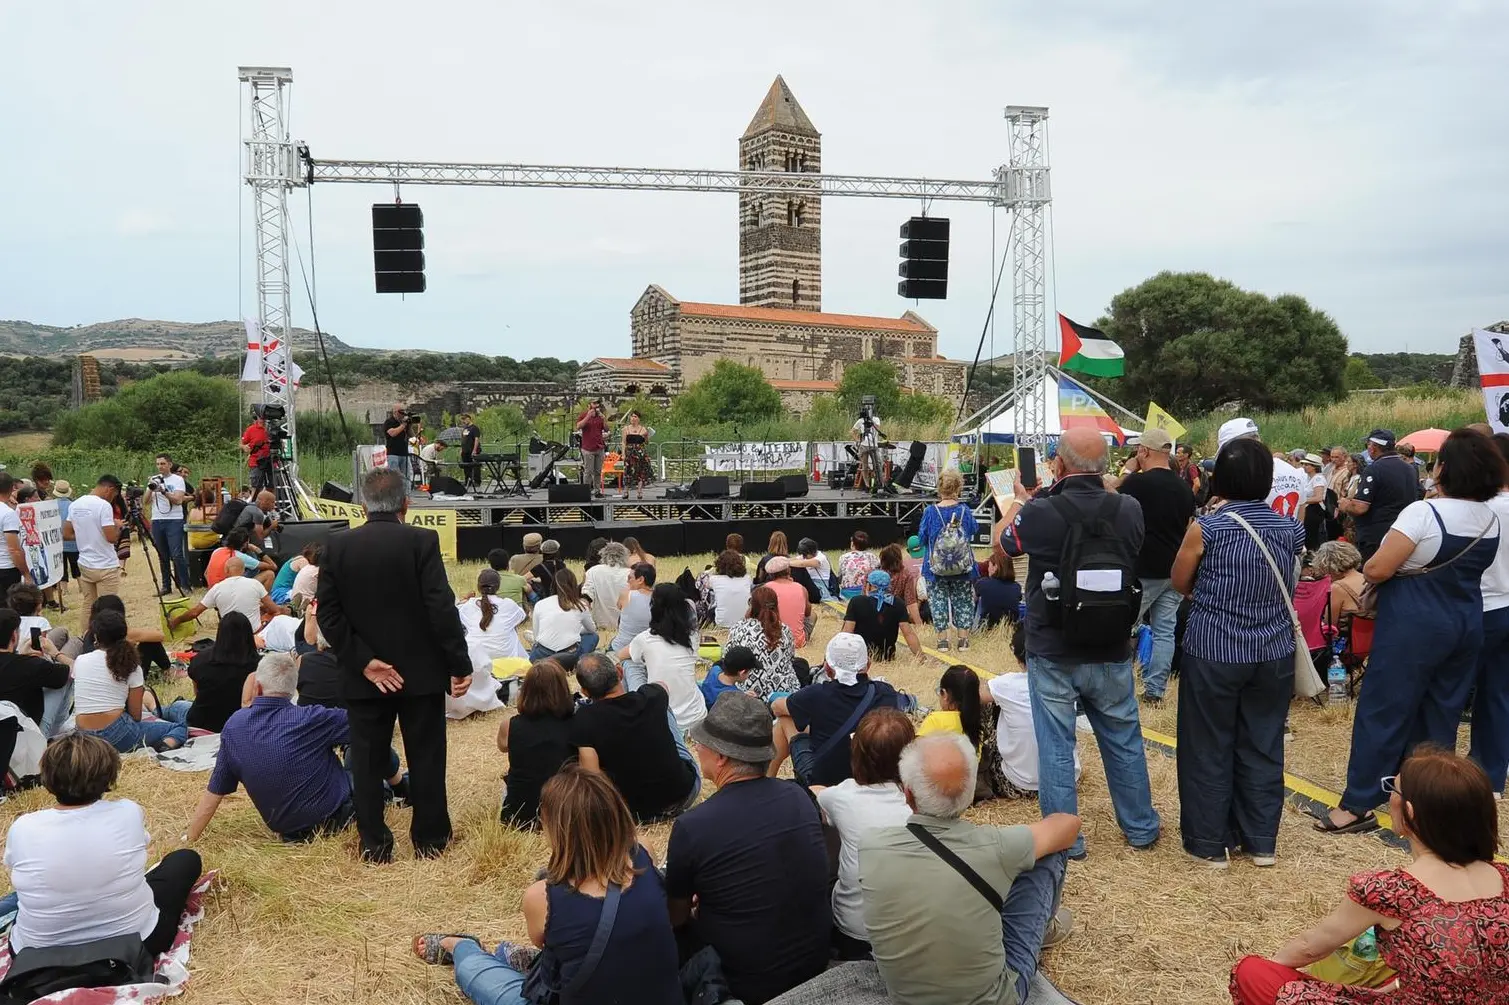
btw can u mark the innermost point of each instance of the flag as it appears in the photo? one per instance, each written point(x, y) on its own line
point(1493, 373)
point(252, 368)
point(1077, 410)
point(1088, 350)
point(268, 362)
point(1157, 418)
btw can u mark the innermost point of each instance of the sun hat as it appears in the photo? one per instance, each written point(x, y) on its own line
point(737, 726)
point(1156, 439)
point(847, 656)
point(532, 541)
point(550, 547)
point(1313, 459)
point(1382, 437)
point(61, 489)
point(1233, 429)
point(914, 546)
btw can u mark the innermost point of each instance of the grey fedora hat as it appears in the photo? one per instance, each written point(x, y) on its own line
point(738, 726)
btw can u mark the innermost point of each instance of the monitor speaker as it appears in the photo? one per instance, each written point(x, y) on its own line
point(762, 491)
point(796, 485)
point(447, 486)
point(335, 492)
point(710, 487)
point(570, 493)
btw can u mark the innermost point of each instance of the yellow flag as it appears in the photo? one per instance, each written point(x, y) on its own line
point(1159, 419)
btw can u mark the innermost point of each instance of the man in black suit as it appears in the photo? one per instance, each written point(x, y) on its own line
point(387, 610)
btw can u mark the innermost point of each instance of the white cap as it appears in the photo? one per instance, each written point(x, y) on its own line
point(1233, 429)
point(848, 656)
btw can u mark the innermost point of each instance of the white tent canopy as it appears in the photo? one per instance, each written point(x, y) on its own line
point(1067, 404)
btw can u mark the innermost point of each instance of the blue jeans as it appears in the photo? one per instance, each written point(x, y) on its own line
point(1490, 708)
point(171, 543)
point(1108, 695)
point(56, 701)
point(823, 592)
point(177, 712)
point(125, 734)
point(566, 657)
point(635, 675)
point(1160, 605)
point(1030, 904)
point(486, 978)
point(400, 463)
point(690, 758)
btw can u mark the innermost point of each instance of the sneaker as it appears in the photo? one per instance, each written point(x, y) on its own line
point(1060, 927)
point(942, 645)
point(1215, 864)
point(1264, 861)
point(1152, 700)
point(963, 645)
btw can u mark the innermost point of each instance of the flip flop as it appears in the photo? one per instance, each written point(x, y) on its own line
point(1362, 825)
point(428, 947)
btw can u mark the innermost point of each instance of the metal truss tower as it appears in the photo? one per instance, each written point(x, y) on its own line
point(1028, 191)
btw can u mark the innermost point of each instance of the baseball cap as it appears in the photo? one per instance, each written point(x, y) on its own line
point(1383, 437)
point(847, 653)
point(1156, 439)
point(1233, 429)
point(914, 546)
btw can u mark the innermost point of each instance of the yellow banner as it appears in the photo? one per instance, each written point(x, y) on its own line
point(1159, 419)
point(441, 521)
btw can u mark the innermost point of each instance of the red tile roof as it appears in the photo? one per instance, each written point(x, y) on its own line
point(804, 385)
point(619, 363)
point(780, 314)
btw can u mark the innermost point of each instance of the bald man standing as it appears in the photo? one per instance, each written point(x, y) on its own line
point(1065, 661)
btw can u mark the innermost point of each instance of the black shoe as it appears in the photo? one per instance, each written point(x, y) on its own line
point(1153, 700)
point(378, 856)
point(401, 790)
point(429, 850)
point(165, 593)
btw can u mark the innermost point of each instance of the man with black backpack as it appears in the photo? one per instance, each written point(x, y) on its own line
point(1083, 598)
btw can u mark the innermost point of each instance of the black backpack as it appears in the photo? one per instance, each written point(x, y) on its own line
point(1095, 618)
point(228, 515)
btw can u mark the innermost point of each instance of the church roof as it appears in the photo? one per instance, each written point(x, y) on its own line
point(804, 385)
point(620, 363)
point(907, 323)
point(780, 110)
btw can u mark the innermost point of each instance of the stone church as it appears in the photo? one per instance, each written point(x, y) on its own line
point(779, 324)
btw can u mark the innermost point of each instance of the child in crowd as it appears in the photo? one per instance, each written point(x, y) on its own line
point(728, 674)
point(959, 709)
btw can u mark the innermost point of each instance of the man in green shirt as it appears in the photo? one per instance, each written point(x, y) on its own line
point(510, 584)
point(936, 937)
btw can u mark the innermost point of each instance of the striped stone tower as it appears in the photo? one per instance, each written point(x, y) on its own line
point(780, 247)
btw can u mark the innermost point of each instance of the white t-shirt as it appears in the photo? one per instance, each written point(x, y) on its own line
point(870, 437)
point(90, 515)
point(853, 809)
point(238, 593)
point(605, 584)
point(10, 523)
point(1462, 517)
point(30, 621)
point(1317, 482)
point(1290, 486)
point(675, 667)
point(80, 874)
point(501, 637)
point(95, 688)
point(1496, 578)
point(730, 598)
point(1014, 736)
point(282, 632)
point(162, 507)
point(305, 582)
point(558, 629)
point(824, 567)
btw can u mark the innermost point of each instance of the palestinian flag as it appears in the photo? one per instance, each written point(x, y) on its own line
point(1088, 350)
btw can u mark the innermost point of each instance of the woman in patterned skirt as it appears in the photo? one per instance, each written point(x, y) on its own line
point(636, 453)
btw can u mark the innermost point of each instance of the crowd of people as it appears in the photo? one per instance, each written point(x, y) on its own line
point(861, 860)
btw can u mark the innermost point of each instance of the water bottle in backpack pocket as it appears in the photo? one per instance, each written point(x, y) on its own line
point(1099, 594)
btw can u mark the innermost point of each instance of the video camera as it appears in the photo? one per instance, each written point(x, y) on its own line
point(867, 410)
point(275, 418)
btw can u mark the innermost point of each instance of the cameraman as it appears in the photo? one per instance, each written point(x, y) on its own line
point(166, 493)
point(868, 436)
point(396, 432)
point(257, 447)
point(594, 429)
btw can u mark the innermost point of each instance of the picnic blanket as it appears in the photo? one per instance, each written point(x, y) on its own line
point(860, 984)
point(172, 967)
point(196, 755)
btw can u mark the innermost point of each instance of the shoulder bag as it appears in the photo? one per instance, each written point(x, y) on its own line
point(542, 986)
point(1307, 682)
point(848, 726)
point(956, 863)
point(1367, 603)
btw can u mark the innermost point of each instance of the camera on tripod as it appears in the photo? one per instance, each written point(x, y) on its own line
point(275, 419)
point(867, 411)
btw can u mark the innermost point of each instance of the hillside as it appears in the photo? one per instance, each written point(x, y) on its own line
point(138, 340)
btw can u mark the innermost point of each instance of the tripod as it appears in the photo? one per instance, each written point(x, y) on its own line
point(137, 523)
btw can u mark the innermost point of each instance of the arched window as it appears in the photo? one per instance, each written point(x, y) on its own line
point(796, 292)
point(657, 390)
point(798, 214)
point(631, 389)
point(791, 214)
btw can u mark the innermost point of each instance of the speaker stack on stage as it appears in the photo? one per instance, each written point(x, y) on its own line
point(446, 486)
point(710, 487)
point(570, 493)
point(763, 491)
point(795, 485)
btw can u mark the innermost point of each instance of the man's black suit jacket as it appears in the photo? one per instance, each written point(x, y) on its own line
point(383, 594)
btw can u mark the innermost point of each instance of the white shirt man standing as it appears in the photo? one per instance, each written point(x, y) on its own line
point(92, 523)
point(867, 435)
point(12, 556)
point(165, 496)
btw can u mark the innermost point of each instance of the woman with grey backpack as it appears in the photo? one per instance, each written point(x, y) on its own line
point(948, 565)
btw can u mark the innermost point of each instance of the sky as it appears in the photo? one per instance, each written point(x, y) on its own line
point(1354, 152)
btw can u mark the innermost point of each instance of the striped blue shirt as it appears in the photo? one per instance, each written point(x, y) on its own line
point(1238, 614)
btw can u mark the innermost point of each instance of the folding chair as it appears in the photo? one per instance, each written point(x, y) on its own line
point(1357, 630)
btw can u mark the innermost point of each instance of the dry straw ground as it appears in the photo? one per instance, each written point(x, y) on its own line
point(296, 924)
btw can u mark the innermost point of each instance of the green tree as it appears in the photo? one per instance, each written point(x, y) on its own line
point(871, 376)
point(924, 410)
point(180, 413)
point(1193, 342)
point(1359, 376)
point(502, 425)
point(731, 392)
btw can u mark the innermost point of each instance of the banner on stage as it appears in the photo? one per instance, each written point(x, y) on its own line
point(42, 541)
point(1493, 373)
point(788, 456)
point(441, 521)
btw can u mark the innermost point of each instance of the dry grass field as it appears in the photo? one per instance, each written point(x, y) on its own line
point(297, 924)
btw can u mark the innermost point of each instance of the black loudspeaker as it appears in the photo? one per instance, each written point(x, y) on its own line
point(336, 492)
point(444, 485)
point(762, 491)
point(924, 253)
point(913, 464)
point(710, 487)
point(795, 485)
point(570, 493)
point(293, 535)
point(398, 247)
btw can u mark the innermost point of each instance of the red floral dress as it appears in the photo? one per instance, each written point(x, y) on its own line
point(1445, 953)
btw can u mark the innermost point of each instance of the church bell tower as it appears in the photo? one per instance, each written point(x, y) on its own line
point(780, 247)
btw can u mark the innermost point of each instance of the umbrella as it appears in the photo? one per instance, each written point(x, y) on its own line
point(1426, 441)
point(452, 435)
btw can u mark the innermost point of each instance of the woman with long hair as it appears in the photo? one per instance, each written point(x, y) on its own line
point(537, 741)
point(729, 586)
point(637, 554)
point(909, 590)
point(219, 677)
point(762, 631)
point(1442, 921)
point(959, 709)
point(563, 627)
point(492, 622)
point(634, 618)
point(596, 861)
point(999, 593)
point(108, 689)
point(1429, 575)
point(667, 651)
point(636, 453)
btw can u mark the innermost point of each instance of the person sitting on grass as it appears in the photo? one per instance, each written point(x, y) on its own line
point(1442, 921)
point(599, 877)
point(79, 868)
point(511, 585)
point(728, 674)
point(779, 671)
point(492, 621)
point(909, 589)
point(958, 708)
point(563, 627)
point(666, 652)
point(254, 565)
point(876, 615)
point(728, 588)
point(219, 676)
point(108, 689)
point(999, 594)
point(281, 589)
point(854, 565)
point(26, 600)
point(815, 723)
point(148, 641)
point(634, 618)
point(35, 682)
point(233, 593)
point(537, 740)
point(605, 582)
point(285, 756)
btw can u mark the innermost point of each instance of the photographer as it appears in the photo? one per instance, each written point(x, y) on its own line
point(257, 446)
point(166, 493)
point(594, 429)
point(396, 432)
point(868, 436)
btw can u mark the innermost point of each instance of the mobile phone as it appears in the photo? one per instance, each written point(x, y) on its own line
point(36, 639)
point(1026, 467)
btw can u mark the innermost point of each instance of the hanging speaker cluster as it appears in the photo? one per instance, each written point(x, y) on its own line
point(924, 259)
point(398, 247)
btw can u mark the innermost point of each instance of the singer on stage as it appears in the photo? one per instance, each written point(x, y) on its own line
point(636, 454)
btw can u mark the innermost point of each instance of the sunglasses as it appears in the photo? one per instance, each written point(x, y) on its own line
point(1391, 785)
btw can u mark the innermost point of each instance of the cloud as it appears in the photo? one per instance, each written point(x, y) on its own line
point(140, 222)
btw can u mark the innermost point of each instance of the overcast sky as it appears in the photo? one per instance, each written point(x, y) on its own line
point(1355, 152)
